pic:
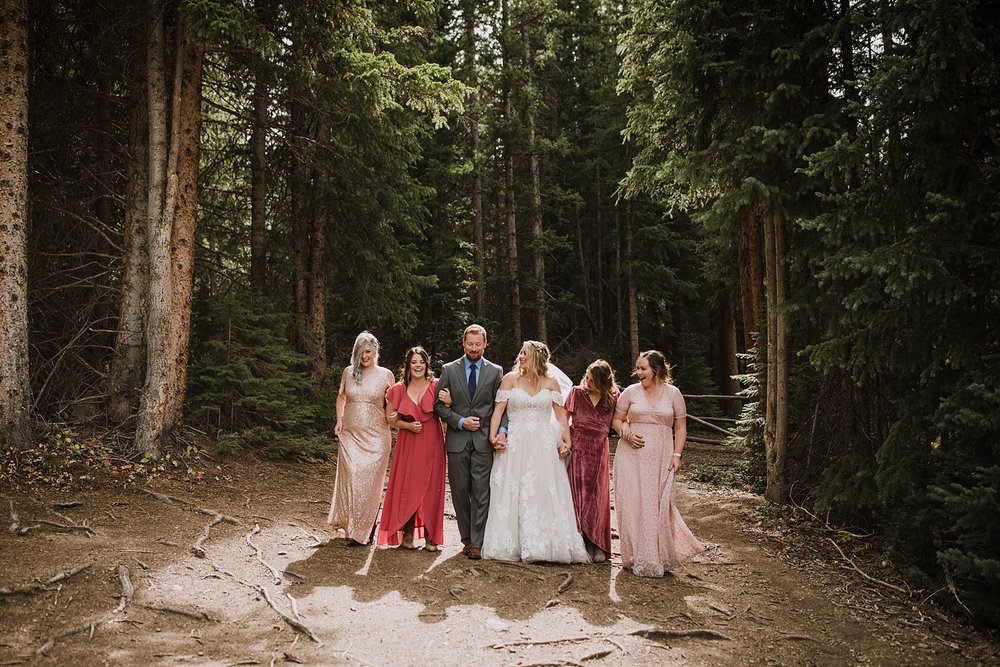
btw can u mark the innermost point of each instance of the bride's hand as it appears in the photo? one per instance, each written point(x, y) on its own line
point(445, 396)
point(564, 449)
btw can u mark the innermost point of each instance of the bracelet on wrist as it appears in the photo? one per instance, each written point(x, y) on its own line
point(677, 455)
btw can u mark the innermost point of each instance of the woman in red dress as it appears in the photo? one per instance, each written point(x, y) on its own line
point(591, 406)
point(414, 499)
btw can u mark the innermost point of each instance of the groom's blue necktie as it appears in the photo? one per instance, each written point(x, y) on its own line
point(472, 381)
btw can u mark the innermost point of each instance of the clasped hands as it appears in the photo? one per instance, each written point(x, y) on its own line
point(631, 438)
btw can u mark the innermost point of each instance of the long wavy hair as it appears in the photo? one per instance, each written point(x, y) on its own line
point(404, 372)
point(364, 339)
point(602, 378)
point(658, 364)
point(537, 355)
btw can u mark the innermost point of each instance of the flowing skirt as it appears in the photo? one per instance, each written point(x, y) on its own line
point(531, 514)
point(416, 486)
point(362, 458)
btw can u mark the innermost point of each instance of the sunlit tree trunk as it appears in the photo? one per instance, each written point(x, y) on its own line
point(537, 229)
point(298, 182)
point(128, 360)
point(185, 221)
point(15, 388)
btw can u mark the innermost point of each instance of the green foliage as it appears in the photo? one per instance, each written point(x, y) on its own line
point(247, 385)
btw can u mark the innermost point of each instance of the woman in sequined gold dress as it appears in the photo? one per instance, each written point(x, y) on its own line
point(414, 499)
point(363, 432)
point(591, 405)
point(651, 420)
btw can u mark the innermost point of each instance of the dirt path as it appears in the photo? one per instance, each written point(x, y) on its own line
point(761, 594)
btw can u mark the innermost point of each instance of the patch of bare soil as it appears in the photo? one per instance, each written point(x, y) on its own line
point(236, 567)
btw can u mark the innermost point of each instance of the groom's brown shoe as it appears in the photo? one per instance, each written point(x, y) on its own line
point(465, 549)
point(474, 553)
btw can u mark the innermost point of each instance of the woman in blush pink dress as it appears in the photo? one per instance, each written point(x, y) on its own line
point(364, 442)
point(651, 420)
point(414, 500)
point(591, 406)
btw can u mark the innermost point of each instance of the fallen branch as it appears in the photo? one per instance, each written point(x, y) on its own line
point(60, 527)
point(566, 582)
point(865, 574)
point(127, 589)
point(260, 557)
point(295, 607)
point(295, 625)
point(34, 588)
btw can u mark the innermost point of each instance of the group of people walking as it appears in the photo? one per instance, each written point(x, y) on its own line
point(527, 457)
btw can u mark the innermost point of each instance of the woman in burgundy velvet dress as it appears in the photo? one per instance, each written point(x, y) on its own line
point(591, 406)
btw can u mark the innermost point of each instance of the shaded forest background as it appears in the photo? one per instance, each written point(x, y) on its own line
point(202, 202)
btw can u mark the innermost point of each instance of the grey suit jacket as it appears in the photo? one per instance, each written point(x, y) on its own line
point(462, 405)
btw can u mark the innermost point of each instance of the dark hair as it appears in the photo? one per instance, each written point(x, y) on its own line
point(658, 364)
point(404, 372)
point(603, 377)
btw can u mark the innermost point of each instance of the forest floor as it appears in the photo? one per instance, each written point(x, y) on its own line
point(101, 569)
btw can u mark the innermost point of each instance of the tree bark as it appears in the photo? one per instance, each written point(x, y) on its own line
point(128, 360)
point(728, 365)
point(478, 222)
point(300, 224)
point(258, 182)
point(510, 217)
point(537, 229)
point(187, 107)
point(317, 263)
point(633, 288)
point(152, 411)
point(751, 277)
point(775, 418)
point(15, 387)
point(599, 251)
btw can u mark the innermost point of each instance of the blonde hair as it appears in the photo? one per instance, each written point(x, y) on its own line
point(537, 354)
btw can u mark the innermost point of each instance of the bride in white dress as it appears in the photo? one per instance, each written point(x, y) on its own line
point(531, 514)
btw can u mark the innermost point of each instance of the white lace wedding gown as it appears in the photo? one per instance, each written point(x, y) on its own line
point(531, 514)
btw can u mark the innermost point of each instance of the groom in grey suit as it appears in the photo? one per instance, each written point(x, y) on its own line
point(472, 383)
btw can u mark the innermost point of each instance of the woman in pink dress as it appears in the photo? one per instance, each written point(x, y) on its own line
point(591, 407)
point(651, 420)
point(363, 451)
point(414, 500)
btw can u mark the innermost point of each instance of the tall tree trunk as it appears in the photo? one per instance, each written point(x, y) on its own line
point(633, 288)
point(317, 262)
point(538, 240)
point(258, 182)
point(751, 276)
point(478, 222)
point(187, 107)
point(152, 412)
point(510, 216)
point(15, 387)
point(781, 347)
point(599, 252)
point(775, 418)
point(728, 365)
point(581, 252)
point(128, 359)
point(619, 299)
point(300, 224)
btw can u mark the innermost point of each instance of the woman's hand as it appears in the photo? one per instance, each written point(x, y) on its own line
point(675, 462)
point(415, 427)
point(339, 427)
point(565, 447)
point(445, 396)
point(631, 438)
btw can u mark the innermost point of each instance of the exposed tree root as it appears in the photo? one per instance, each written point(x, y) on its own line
point(127, 589)
point(260, 557)
point(196, 615)
point(35, 588)
point(566, 582)
point(197, 548)
point(294, 624)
